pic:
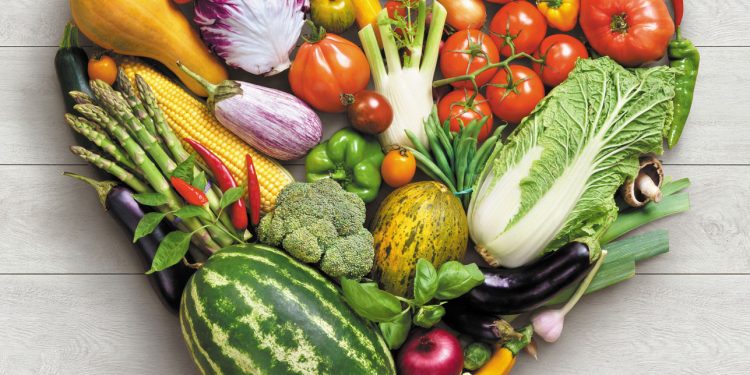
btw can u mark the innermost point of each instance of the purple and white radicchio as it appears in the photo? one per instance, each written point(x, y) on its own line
point(255, 35)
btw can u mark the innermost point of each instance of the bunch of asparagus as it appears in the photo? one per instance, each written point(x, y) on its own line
point(143, 152)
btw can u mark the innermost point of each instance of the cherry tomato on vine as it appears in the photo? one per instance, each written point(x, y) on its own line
point(465, 52)
point(104, 68)
point(465, 14)
point(559, 52)
point(460, 108)
point(369, 112)
point(398, 167)
point(523, 23)
point(513, 98)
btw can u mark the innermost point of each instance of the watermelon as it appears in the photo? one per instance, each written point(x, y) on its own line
point(252, 309)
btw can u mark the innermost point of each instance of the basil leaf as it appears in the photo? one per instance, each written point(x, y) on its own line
point(428, 316)
point(200, 181)
point(147, 224)
point(188, 212)
point(425, 282)
point(230, 196)
point(455, 279)
point(371, 303)
point(185, 169)
point(396, 332)
point(171, 250)
point(150, 199)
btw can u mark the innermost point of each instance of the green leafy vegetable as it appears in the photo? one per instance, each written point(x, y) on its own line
point(147, 224)
point(455, 279)
point(425, 282)
point(371, 303)
point(555, 179)
point(396, 332)
point(428, 316)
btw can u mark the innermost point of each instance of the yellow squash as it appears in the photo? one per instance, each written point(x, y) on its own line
point(150, 28)
point(419, 220)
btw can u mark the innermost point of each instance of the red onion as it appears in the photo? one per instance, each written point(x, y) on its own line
point(435, 352)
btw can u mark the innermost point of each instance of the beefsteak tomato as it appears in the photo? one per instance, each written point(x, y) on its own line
point(631, 32)
point(326, 67)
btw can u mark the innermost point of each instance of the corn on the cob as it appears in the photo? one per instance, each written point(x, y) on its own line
point(189, 118)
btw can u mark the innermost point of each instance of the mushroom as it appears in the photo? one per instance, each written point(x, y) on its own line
point(645, 187)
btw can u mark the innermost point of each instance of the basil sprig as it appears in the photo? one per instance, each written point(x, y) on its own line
point(452, 280)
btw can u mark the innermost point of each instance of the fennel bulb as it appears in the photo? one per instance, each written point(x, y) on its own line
point(407, 86)
point(555, 179)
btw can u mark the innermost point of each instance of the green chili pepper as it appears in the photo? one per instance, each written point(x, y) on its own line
point(349, 158)
point(684, 56)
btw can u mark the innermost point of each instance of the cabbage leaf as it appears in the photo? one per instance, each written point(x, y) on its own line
point(554, 179)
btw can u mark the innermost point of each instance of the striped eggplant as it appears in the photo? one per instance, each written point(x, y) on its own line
point(419, 220)
point(252, 309)
point(274, 122)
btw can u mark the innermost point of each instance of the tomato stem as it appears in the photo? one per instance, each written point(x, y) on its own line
point(316, 33)
point(619, 23)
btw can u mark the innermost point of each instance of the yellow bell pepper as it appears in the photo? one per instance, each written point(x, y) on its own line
point(560, 14)
point(366, 12)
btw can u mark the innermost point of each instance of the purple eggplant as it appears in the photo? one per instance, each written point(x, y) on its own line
point(518, 290)
point(274, 122)
point(480, 326)
point(119, 202)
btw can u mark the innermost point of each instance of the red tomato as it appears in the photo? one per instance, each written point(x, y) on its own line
point(559, 52)
point(513, 105)
point(370, 112)
point(395, 7)
point(521, 21)
point(455, 107)
point(465, 52)
point(326, 69)
point(465, 14)
point(632, 32)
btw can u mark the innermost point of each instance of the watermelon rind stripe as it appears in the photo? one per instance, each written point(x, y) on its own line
point(188, 334)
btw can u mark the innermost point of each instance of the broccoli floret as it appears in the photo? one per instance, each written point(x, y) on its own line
point(349, 256)
point(307, 243)
point(321, 222)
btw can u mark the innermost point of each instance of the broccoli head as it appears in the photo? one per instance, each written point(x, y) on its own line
point(321, 223)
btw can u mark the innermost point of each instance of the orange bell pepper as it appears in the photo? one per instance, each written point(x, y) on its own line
point(560, 14)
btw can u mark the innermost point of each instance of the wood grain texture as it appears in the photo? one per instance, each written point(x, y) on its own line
point(656, 325)
point(87, 325)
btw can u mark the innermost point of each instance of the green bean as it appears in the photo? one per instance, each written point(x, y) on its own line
point(437, 151)
point(444, 140)
point(430, 169)
point(415, 141)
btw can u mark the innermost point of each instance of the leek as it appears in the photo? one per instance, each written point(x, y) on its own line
point(407, 86)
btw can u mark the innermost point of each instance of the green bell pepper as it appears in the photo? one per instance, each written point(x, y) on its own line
point(350, 159)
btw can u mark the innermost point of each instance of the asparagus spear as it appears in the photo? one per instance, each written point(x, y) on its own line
point(116, 105)
point(88, 130)
point(173, 143)
point(150, 170)
point(126, 88)
point(170, 139)
point(111, 168)
point(81, 97)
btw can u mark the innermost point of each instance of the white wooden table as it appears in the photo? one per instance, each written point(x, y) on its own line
point(73, 299)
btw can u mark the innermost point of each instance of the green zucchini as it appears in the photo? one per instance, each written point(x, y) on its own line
point(71, 64)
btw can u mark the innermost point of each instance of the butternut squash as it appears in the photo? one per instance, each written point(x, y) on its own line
point(419, 220)
point(149, 28)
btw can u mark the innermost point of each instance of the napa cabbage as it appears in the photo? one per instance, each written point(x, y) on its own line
point(555, 178)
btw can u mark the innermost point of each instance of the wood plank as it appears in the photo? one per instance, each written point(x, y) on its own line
point(707, 23)
point(33, 130)
point(87, 324)
point(93, 324)
point(73, 234)
point(54, 224)
point(653, 325)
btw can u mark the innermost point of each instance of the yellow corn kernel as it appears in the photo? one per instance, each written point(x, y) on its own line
point(190, 118)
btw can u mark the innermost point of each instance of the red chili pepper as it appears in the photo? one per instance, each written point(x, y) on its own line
point(253, 191)
point(679, 9)
point(190, 193)
point(225, 180)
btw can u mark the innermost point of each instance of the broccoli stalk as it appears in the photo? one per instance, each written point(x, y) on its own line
point(321, 223)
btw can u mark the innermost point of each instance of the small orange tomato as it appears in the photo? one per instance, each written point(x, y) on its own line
point(398, 167)
point(103, 68)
